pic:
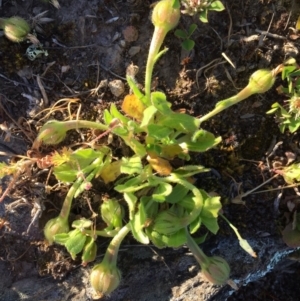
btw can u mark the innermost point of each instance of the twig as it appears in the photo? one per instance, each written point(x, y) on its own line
point(272, 35)
point(42, 89)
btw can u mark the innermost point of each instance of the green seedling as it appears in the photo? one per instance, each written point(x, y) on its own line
point(187, 43)
point(288, 114)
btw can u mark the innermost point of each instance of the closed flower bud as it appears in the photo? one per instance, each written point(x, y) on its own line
point(16, 29)
point(217, 270)
point(165, 16)
point(89, 251)
point(55, 226)
point(52, 132)
point(112, 213)
point(261, 81)
point(105, 278)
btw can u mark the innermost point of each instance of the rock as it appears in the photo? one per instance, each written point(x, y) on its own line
point(116, 87)
point(134, 50)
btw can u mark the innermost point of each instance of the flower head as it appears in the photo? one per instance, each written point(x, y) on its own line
point(217, 270)
point(194, 7)
point(105, 278)
point(165, 16)
point(16, 29)
point(55, 226)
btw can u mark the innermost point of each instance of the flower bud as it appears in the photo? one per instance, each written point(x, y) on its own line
point(112, 213)
point(55, 226)
point(261, 81)
point(16, 29)
point(89, 251)
point(165, 16)
point(52, 132)
point(105, 278)
point(217, 270)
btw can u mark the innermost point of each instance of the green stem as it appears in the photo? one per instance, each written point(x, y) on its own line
point(102, 233)
point(226, 103)
point(157, 40)
point(76, 124)
point(65, 210)
point(197, 252)
point(111, 254)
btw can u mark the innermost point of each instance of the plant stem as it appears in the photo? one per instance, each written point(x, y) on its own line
point(102, 233)
point(156, 42)
point(226, 103)
point(197, 252)
point(111, 254)
point(65, 210)
point(76, 124)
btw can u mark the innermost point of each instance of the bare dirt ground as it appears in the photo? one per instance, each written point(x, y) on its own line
point(90, 44)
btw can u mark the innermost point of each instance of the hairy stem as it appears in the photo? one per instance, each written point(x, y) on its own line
point(111, 254)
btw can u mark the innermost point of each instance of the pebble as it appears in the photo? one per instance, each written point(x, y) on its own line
point(134, 50)
point(116, 87)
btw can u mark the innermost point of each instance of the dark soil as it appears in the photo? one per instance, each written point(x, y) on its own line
point(91, 43)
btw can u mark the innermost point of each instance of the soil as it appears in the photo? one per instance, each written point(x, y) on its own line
point(90, 45)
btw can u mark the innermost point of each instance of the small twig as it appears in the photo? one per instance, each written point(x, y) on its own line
point(272, 35)
point(42, 89)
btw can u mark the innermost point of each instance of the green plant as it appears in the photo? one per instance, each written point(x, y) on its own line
point(187, 43)
point(288, 114)
point(201, 8)
point(163, 204)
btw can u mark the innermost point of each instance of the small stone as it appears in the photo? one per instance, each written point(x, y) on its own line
point(116, 87)
point(134, 50)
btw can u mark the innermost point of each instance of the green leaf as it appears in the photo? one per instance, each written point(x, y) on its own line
point(211, 206)
point(192, 28)
point(61, 238)
point(286, 71)
point(82, 223)
point(211, 224)
point(272, 111)
point(84, 157)
point(180, 34)
point(131, 165)
point(133, 86)
point(65, 173)
point(75, 243)
point(195, 225)
point(107, 117)
point(116, 114)
point(159, 101)
point(190, 170)
point(181, 122)
point(175, 240)
point(203, 16)
point(131, 200)
point(217, 6)
point(188, 44)
point(138, 225)
point(201, 141)
point(159, 132)
point(131, 185)
point(176, 4)
point(149, 114)
point(178, 193)
point(161, 191)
